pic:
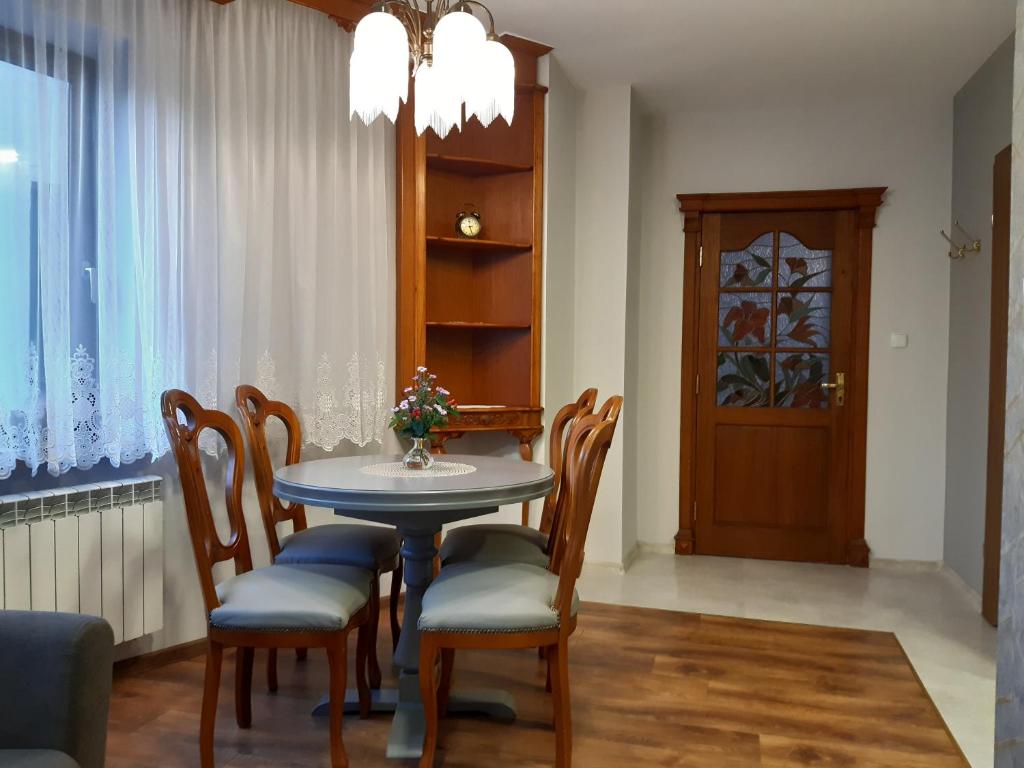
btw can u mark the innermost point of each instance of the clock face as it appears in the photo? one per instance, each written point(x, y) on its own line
point(469, 226)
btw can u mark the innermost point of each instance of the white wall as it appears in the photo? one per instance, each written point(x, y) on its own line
point(982, 127)
point(603, 121)
point(629, 434)
point(899, 144)
point(559, 243)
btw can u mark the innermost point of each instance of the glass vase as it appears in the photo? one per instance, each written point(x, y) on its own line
point(419, 456)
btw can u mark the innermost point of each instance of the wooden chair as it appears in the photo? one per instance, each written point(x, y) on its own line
point(281, 606)
point(502, 542)
point(518, 605)
point(374, 548)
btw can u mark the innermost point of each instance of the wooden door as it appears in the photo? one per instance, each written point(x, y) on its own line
point(775, 333)
point(997, 383)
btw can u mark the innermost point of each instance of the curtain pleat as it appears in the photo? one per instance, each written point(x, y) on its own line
point(190, 207)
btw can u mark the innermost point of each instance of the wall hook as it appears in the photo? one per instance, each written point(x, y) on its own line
point(958, 252)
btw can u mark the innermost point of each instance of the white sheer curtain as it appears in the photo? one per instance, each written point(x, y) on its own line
point(183, 202)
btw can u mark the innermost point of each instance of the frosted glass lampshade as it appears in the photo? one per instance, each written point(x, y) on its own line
point(458, 40)
point(493, 86)
point(372, 92)
point(437, 104)
point(379, 71)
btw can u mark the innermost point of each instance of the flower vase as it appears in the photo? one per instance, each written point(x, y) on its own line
point(419, 456)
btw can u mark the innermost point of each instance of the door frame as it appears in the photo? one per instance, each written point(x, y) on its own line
point(864, 202)
point(998, 337)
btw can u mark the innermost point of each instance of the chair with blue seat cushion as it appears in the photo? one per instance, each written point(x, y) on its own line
point(55, 679)
point(280, 606)
point(510, 543)
point(484, 598)
point(375, 548)
point(518, 605)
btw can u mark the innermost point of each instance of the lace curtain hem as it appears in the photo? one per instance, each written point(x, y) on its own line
point(125, 424)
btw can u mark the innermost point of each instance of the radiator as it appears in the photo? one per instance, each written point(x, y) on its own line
point(92, 549)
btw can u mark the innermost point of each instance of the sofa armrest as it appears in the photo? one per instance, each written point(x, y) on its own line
point(55, 680)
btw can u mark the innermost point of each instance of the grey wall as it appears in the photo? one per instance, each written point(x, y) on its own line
point(1010, 673)
point(982, 117)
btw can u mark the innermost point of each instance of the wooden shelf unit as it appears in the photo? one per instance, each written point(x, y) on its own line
point(470, 309)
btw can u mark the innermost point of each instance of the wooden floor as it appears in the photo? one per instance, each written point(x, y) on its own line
point(649, 688)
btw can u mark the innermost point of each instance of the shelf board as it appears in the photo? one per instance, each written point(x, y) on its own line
point(467, 244)
point(473, 166)
point(473, 324)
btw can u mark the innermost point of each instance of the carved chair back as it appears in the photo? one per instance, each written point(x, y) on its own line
point(184, 434)
point(560, 426)
point(588, 448)
point(255, 409)
point(583, 469)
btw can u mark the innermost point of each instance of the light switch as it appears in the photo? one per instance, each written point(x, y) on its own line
point(897, 340)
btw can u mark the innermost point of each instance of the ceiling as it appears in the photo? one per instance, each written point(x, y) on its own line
point(720, 53)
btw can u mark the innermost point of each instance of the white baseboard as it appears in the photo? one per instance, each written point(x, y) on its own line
point(962, 586)
point(655, 548)
point(602, 566)
point(906, 566)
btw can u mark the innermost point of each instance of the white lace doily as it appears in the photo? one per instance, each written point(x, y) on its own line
point(398, 469)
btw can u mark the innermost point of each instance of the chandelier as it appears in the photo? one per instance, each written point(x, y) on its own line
point(454, 63)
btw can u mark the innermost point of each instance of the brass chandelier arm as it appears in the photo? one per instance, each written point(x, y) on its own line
point(490, 16)
point(419, 21)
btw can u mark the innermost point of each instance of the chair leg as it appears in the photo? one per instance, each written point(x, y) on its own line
point(243, 686)
point(559, 659)
point(396, 592)
point(362, 648)
point(547, 680)
point(272, 670)
point(301, 653)
point(337, 659)
point(373, 622)
point(445, 688)
point(208, 719)
point(428, 692)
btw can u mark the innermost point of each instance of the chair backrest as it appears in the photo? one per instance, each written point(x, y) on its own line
point(560, 426)
point(585, 457)
point(255, 410)
point(578, 432)
point(206, 544)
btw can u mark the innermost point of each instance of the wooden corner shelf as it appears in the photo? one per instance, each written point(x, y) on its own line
point(470, 309)
point(474, 324)
point(474, 166)
point(467, 244)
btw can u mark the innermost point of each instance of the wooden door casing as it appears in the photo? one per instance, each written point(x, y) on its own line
point(827, 443)
point(998, 331)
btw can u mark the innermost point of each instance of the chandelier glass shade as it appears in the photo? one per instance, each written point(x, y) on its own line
point(454, 60)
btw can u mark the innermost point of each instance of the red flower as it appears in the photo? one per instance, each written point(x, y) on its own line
point(747, 319)
point(416, 413)
point(797, 266)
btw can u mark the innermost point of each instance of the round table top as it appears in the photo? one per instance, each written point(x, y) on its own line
point(340, 484)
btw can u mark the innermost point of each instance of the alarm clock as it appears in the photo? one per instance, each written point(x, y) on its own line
point(468, 224)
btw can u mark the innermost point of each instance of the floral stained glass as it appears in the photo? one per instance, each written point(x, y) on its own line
point(745, 319)
point(744, 379)
point(800, 267)
point(803, 319)
point(751, 267)
point(798, 380)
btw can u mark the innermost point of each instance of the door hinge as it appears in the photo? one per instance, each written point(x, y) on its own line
point(696, 386)
point(700, 258)
point(695, 509)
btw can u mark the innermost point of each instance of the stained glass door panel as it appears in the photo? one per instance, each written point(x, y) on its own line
point(774, 323)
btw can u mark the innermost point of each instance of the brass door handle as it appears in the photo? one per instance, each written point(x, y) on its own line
point(839, 387)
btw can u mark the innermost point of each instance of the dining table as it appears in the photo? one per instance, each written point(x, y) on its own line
point(417, 502)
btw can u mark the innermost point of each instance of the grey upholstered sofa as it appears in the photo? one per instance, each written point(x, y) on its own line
point(55, 678)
